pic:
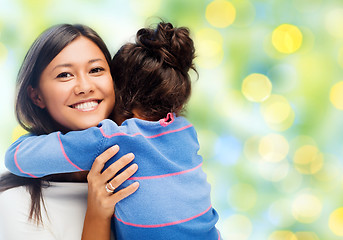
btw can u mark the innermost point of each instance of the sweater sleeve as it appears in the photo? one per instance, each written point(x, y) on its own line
point(37, 156)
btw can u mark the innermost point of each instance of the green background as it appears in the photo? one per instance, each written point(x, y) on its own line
point(296, 194)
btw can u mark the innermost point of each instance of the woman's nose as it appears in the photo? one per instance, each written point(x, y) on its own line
point(84, 85)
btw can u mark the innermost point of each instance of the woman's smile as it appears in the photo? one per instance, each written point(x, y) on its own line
point(87, 105)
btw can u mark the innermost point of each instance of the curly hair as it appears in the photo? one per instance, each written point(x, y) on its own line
point(151, 75)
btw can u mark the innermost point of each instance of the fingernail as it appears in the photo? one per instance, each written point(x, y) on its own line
point(134, 166)
point(131, 155)
point(115, 147)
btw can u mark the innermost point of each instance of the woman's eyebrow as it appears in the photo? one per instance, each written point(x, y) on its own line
point(70, 65)
point(62, 65)
point(95, 60)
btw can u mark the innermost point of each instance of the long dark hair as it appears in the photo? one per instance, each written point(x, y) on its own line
point(32, 118)
point(152, 74)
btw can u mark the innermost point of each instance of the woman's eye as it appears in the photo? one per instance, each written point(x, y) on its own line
point(97, 70)
point(64, 75)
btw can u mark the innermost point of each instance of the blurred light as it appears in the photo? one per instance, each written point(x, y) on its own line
point(231, 104)
point(307, 46)
point(17, 132)
point(334, 22)
point(251, 146)
point(256, 87)
point(209, 45)
point(273, 171)
point(277, 113)
point(336, 95)
point(145, 8)
point(282, 235)
point(3, 53)
point(284, 77)
point(299, 141)
point(336, 221)
point(306, 236)
point(273, 147)
point(309, 39)
point(290, 183)
point(330, 172)
point(306, 5)
point(340, 57)
point(308, 159)
point(306, 208)
point(220, 13)
point(245, 13)
point(242, 197)
point(287, 38)
point(227, 150)
point(280, 215)
point(269, 48)
point(206, 140)
point(237, 227)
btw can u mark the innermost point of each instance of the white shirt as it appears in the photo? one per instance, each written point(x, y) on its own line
point(66, 205)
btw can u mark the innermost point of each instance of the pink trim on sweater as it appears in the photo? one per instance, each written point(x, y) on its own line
point(218, 235)
point(167, 120)
point(165, 175)
point(16, 163)
point(65, 155)
point(164, 224)
point(135, 134)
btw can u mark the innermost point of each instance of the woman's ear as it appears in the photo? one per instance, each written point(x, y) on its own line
point(36, 97)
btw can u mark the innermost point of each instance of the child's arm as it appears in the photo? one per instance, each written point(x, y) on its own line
point(38, 156)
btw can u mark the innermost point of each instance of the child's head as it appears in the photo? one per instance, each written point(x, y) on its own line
point(151, 75)
point(64, 82)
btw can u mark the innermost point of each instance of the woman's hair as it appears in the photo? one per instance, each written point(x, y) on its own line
point(151, 75)
point(32, 118)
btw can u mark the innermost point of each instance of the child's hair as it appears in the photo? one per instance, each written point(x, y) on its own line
point(45, 48)
point(151, 75)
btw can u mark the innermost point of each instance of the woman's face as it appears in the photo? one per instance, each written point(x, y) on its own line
point(76, 87)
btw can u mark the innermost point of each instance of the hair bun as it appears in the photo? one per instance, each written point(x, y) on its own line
point(171, 46)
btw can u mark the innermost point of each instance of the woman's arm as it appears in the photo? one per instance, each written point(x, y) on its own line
point(101, 203)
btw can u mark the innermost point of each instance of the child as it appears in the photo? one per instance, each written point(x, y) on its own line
point(152, 87)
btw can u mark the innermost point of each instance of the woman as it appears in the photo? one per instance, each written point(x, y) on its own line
point(152, 89)
point(64, 84)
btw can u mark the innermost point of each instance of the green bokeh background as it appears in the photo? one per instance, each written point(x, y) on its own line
point(230, 127)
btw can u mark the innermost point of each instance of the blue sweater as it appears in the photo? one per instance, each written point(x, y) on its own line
point(173, 200)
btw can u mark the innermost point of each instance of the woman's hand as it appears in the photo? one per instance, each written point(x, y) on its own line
point(101, 201)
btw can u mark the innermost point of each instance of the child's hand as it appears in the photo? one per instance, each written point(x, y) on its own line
point(101, 199)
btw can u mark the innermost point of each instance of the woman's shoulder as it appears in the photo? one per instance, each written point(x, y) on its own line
point(17, 196)
point(14, 217)
point(65, 205)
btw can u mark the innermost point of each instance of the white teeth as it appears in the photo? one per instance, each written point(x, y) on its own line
point(86, 106)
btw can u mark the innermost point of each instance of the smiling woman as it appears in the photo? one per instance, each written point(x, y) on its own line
point(76, 87)
point(64, 84)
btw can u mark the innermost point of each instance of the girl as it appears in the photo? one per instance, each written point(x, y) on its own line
point(64, 84)
point(152, 87)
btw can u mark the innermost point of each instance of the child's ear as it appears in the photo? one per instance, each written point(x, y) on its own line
point(36, 97)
